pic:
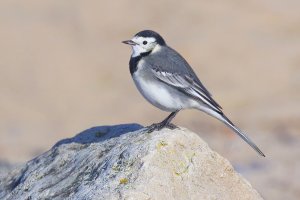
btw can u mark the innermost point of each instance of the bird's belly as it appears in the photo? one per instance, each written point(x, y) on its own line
point(160, 95)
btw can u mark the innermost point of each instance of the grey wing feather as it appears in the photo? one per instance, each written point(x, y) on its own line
point(186, 85)
point(172, 69)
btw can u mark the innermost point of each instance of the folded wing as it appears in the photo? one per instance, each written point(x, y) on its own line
point(187, 85)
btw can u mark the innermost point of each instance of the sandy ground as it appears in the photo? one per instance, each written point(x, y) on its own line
point(63, 69)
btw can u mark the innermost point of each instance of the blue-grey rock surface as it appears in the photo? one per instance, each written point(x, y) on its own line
point(126, 162)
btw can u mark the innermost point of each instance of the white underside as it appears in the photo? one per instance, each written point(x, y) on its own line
point(163, 96)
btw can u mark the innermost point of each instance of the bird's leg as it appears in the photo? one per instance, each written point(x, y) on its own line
point(164, 123)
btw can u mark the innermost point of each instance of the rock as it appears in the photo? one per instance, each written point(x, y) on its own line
point(5, 168)
point(125, 162)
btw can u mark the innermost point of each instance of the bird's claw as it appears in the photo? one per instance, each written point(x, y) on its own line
point(159, 126)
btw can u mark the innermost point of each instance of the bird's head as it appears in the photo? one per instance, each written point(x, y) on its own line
point(145, 42)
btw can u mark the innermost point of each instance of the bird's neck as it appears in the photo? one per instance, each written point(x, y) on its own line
point(134, 61)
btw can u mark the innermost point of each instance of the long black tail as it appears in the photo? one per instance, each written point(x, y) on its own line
point(225, 120)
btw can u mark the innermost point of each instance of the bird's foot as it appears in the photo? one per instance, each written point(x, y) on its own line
point(171, 126)
point(159, 126)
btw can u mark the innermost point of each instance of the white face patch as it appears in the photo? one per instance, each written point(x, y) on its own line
point(144, 44)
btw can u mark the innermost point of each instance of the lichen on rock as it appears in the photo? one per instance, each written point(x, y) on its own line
point(126, 162)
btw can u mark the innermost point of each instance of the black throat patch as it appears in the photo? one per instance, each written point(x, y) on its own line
point(134, 61)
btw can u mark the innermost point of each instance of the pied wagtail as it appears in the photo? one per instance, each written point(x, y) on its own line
point(168, 82)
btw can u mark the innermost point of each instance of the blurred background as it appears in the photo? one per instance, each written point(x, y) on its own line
point(63, 69)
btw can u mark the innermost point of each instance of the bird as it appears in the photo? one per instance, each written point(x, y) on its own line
point(167, 81)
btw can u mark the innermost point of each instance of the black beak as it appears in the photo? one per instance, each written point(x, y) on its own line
point(130, 42)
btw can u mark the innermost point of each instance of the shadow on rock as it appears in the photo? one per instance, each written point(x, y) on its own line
point(100, 133)
point(121, 162)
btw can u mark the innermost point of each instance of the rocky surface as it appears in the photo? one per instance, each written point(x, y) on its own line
point(125, 162)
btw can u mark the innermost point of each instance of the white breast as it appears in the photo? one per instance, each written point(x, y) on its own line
point(155, 94)
point(158, 94)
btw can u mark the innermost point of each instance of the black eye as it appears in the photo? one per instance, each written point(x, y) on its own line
point(145, 42)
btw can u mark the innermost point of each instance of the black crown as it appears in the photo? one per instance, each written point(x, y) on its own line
point(149, 33)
